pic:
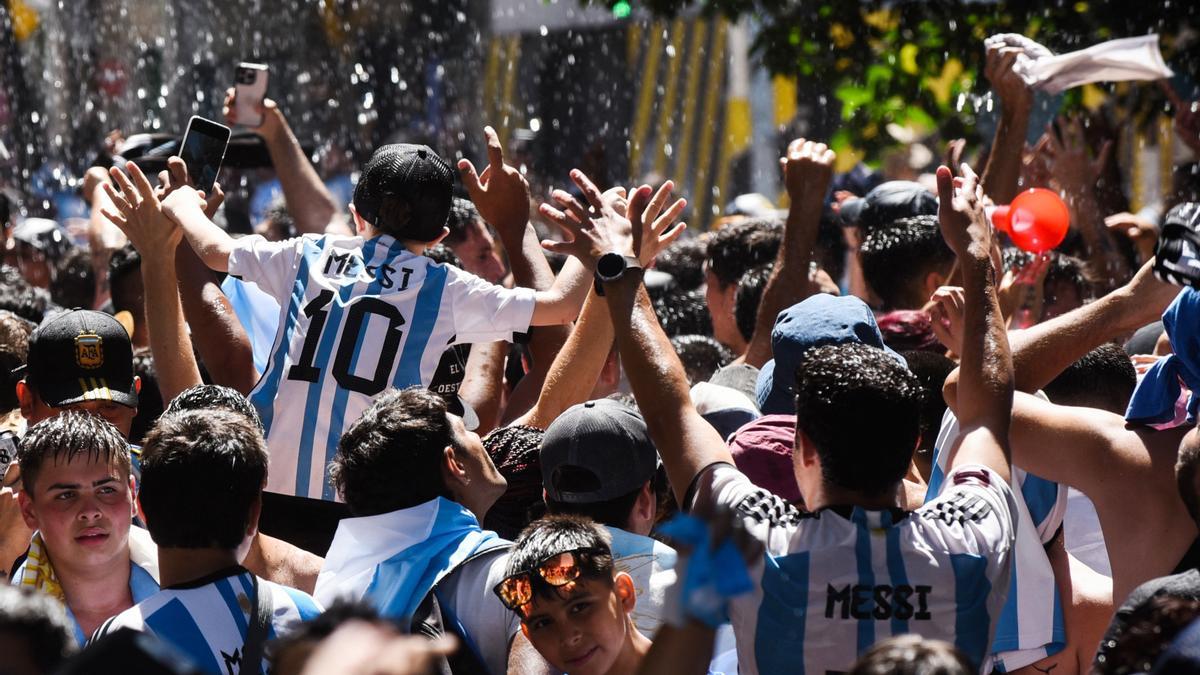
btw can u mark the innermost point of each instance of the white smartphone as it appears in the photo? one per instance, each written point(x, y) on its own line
point(250, 81)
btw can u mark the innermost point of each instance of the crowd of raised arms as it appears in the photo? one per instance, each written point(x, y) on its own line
point(457, 426)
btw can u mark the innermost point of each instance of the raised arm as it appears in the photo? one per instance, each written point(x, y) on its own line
point(186, 207)
point(139, 215)
point(985, 390)
point(807, 170)
point(577, 366)
point(309, 202)
point(1003, 170)
point(685, 441)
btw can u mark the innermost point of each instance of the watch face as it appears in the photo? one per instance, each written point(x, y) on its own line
point(610, 265)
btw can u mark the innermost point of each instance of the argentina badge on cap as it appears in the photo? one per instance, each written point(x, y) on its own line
point(89, 351)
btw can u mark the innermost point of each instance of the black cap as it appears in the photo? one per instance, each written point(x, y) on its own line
point(890, 201)
point(81, 355)
point(596, 451)
point(1177, 257)
point(405, 191)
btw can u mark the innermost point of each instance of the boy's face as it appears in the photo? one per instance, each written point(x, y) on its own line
point(83, 509)
point(581, 627)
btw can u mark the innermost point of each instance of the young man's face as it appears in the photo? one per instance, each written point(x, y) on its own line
point(478, 253)
point(35, 410)
point(83, 508)
point(580, 630)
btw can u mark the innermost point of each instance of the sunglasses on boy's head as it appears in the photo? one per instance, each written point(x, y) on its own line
point(557, 571)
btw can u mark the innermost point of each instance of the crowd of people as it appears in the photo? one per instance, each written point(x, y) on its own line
point(454, 428)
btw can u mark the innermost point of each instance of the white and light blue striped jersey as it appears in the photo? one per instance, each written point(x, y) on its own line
point(357, 316)
point(208, 619)
point(1031, 626)
point(834, 582)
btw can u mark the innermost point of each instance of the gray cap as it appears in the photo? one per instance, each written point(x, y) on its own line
point(596, 451)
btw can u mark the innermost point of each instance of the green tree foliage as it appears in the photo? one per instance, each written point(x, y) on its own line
point(919, 63)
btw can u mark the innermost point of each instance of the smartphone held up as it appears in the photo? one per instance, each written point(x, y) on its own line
point(250, 85)
point(203, 151)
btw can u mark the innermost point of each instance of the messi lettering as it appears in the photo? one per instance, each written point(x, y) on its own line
point(881, 602)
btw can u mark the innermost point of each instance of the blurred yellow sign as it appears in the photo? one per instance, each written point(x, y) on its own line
point(24, 19)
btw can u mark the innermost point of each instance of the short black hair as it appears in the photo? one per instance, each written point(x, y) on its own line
point(683, 313)
point(1103, 378)
point(202, 471)
point(896, 258)
point(837, 386)
point(281, 219)
point(39, 622)
point(19, 297)
point(613, 512)
point(549, 536)
point(443, 254)
point(150, 403)
point(701, 355)
point(74, 283)
point(124, 262)
point(830, 249)
point(931, 370)
point(516, 452)
point(214, 397)
point(748, 297)
point(736, 248)
point(462, 214)
point(684, 261)
point(391, 457)
point(66, 436)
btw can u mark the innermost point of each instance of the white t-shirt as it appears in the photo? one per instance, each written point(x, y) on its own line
point(356, 317)
point(208, 619)
point(834, 582)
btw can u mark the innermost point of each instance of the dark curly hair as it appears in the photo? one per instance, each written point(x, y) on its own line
point(515, 452)
point(896, 258)
point(837, 387)
point(736, 248)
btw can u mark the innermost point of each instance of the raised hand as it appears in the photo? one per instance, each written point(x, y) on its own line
point(139, 213)
point(271, 117)
point(964, 224)
point(1008, 85)
point(807, 169)
point(176, 176)
point(654, 229)
point(1071, 166)
point(946, 307)
point(1021, 292)
point(594, 231)
point(500, 193)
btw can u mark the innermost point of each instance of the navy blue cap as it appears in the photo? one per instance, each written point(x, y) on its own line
point(820, 319)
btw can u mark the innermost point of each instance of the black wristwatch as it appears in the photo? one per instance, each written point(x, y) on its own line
point(612, 266)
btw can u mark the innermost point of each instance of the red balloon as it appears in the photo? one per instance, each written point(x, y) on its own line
point(1036, 221)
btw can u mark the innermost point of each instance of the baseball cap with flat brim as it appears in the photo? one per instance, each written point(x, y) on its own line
point(820, 319)
point(81, 355)
point(890, 201)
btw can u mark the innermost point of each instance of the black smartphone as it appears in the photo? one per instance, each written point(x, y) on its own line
point(203, 150)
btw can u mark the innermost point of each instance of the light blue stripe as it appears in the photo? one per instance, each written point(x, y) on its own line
point(306, 607)
point(782, 615)
point(1040, 497)
point(263, 397)
point(899, 577)
point(866, 577)
point(337, 414)
point(312, 404)
point(425, 315)
point(175, 625)
point(231, 601)
point(971, 590)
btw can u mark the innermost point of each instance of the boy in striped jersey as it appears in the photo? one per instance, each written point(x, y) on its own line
point(366, 313)
point(855, 568)
point(201, 493)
